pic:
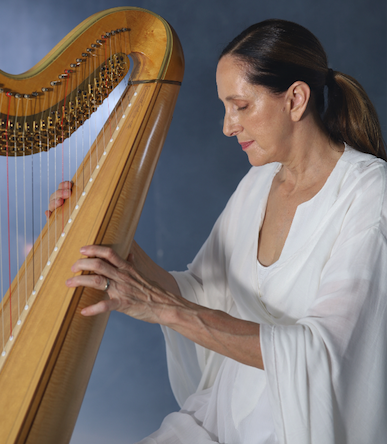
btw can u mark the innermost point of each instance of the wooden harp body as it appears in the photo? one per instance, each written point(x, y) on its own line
point(45, 368)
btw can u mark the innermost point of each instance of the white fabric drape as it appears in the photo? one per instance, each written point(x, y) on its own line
point(322, 311)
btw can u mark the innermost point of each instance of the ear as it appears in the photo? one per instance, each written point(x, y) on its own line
point(298, 96)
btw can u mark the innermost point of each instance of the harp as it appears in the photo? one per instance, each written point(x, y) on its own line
point(48, 348)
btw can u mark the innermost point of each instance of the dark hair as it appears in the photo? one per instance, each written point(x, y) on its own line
point(278, 53)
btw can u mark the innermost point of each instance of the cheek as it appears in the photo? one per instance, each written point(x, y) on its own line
point(267, 124)
point(263, 121)
point(278, 126)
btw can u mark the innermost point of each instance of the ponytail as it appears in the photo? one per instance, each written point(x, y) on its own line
point(350, 116)
point(278, 53)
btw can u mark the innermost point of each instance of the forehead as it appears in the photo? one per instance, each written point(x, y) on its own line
point(229, 69)
point(231, 79)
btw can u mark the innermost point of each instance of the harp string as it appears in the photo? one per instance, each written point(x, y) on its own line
point(9, 225)
point(93, 61)
point(25, 215)
point(92, 119)
point(48, 191)
point(17, 210)
point(1, 278)
point(1, 262)
point(1, 258)
point(89, 115)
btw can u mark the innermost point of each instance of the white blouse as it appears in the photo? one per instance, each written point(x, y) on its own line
point(263, 271)
point(322, 310)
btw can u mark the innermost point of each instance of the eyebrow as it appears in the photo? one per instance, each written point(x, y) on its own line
point(235, 97)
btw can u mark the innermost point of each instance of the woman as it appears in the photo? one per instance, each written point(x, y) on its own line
point(286, 299)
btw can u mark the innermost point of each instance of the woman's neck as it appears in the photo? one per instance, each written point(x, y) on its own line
point(312, 156)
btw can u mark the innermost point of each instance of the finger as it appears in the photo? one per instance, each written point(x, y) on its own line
point(100, 307)
point(95, 265)
point(65, 185)
point(54, 204)
point(47, 214)
point(60, 194)
point(95, 281)
point(106, 253)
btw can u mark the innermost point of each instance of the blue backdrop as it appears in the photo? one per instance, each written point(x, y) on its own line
point(129, 393)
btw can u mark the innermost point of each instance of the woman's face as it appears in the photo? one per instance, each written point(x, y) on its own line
point(258, 118)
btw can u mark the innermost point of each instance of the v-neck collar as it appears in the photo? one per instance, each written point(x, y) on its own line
point(304, 221)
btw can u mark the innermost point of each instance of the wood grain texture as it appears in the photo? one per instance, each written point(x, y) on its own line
point(44, 377)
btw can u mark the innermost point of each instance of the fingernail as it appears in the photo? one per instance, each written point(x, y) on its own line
point(82, 250)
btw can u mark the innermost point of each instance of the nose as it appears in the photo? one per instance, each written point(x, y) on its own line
point(231, 127)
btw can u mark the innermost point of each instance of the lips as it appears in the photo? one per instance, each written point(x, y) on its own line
point(245, 145)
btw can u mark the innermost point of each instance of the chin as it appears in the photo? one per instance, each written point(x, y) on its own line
point(257, 161)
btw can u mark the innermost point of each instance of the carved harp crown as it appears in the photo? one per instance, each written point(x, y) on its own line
point(45, 366)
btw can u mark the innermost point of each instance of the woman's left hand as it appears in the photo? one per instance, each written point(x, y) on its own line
point(129, 292)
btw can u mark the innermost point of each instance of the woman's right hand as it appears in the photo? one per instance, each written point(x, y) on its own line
point(57, 199)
